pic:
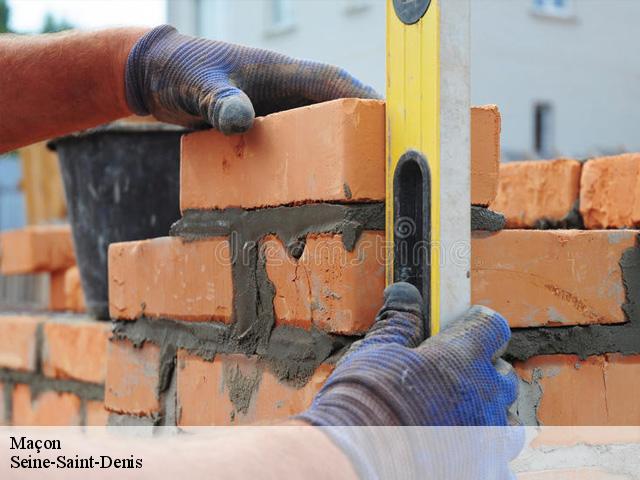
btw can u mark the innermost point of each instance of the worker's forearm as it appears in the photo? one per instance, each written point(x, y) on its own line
point(58, 83)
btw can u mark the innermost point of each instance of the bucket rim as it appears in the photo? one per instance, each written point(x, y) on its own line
point(120, 126)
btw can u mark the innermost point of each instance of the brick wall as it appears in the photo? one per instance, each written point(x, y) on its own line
point(275, 267)
point(568, 281)
point(52, 369)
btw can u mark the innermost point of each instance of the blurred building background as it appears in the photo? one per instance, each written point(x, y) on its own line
point(565, 73)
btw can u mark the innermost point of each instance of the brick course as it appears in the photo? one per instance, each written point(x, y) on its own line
point(610, 191)
point(331, 152)
point(551, 277)
point(533, 191)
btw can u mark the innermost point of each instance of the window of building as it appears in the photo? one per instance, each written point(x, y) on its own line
point(280, 17)
point(543, 141)
point(553, 8)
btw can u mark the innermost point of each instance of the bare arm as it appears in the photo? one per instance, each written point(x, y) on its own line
point(58, 83)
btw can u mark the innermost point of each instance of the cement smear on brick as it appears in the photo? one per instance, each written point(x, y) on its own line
point(484, 219)
point(586, 340)
point(40, 384)
point(241, 386)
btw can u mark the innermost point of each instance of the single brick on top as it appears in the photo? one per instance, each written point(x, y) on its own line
point(328, 152)
point(530, 192)
point(171, 278)
point(332, 151)
point(551, 277)
point(610, 191)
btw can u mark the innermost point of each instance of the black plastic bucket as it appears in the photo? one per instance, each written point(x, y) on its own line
point(121, 182)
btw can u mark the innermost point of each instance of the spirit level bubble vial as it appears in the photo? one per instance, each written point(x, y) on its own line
point(428, 152)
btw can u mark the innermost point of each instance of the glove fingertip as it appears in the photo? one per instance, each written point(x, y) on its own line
point(490, 329)
point(233, 114)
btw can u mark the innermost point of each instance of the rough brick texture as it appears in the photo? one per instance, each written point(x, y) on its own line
point(73, 294)
point(75, 349)
point(18, 342)
point(332, 152)
point(533, 192)
point(238, 390)
point(601, 390)
point(336, 290)
point(46, 409)
point(36, 249)
point(133, 376)
point(96, 414)
point(166, 277)
point(485, 153)
point(552, 277)
point(610, 192)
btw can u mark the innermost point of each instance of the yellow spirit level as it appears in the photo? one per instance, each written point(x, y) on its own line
point(428, 152)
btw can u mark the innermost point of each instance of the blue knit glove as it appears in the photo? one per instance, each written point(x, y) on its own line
point(197, 82)
point(393, 377)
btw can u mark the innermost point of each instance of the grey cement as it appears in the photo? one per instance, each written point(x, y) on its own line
point(39, 384)
point(291, 353)
point(484, 219)
point(529, 395)
point(589, 339)
point(572, 220)
point(253, 302)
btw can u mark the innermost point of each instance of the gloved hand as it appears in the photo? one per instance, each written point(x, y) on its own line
point(194, 81)
point(393, 377)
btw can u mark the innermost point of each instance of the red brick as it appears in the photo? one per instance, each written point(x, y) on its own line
point(36, 249)
point(57, 296)
point(166, 277)
point(551, 277)
point(336, 290)
point(18, 342)
point(332, 151)
point(47, 409)
point(76, 349)
point(133, 376)
point(73, 293)
point(532, 191)
point(97, 415)
point(601, 390)
point(485, 153)
point(204, 391)
point(610, 192)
